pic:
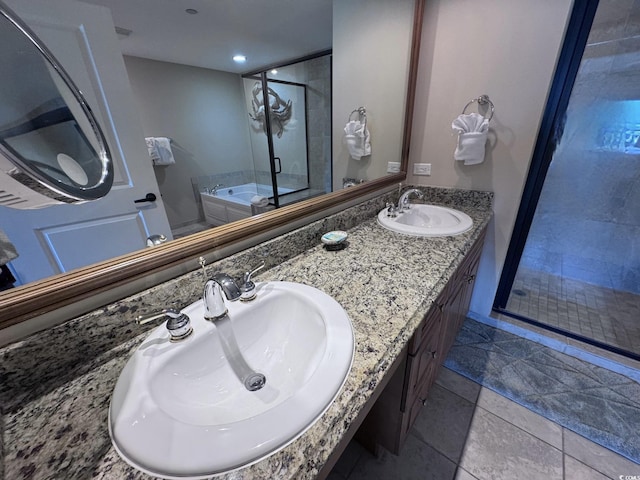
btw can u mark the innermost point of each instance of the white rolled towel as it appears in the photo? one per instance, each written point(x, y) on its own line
point(472, 132)
point(357, 139)
point(259, 201)
point(471, 147)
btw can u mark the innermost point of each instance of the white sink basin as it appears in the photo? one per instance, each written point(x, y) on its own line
point(179, 409)
point(427, 221)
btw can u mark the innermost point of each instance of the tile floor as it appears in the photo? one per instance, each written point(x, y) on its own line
point(468, 432)
point(609, 316)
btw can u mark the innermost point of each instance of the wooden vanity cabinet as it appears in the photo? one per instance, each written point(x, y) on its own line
point(394, 413)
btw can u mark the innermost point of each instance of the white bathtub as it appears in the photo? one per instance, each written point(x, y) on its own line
point(233, 203)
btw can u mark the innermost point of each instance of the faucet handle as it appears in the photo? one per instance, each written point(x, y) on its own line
point(248, 288)
point(392, 210)
point(178, 325)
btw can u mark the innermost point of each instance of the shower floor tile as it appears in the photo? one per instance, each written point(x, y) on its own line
point(606, 315)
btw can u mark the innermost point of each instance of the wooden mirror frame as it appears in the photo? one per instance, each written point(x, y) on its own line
point(38, 298)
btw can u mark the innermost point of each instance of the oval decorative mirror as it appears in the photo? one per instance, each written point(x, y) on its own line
point(52, 150)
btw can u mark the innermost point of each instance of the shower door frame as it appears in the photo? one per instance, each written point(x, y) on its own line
point(261, 74)
point(575, 41)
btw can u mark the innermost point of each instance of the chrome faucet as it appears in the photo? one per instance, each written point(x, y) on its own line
point(212, 296)
point(216, 289)
point(213, 190)
point(214, 306)
point(228, 285)
point(403, 202)
point(222, 287)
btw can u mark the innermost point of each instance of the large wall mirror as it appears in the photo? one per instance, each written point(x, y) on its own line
point(183, 123)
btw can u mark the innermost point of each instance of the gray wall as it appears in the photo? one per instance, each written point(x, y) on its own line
point(203, 111)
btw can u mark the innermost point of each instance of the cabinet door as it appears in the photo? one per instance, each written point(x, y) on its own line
point(433, 316)
point(423, 366)
point(453, 316)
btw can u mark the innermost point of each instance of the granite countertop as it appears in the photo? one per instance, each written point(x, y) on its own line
point(55, 393)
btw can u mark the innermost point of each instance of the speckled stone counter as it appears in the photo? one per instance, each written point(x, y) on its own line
point(56, 385)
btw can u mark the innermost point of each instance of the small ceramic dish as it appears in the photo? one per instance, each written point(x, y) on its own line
point(336, 240)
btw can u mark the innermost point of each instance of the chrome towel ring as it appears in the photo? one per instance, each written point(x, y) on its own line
point(362, 115)
point(481, 100)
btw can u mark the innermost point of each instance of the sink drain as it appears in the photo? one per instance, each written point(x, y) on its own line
point(255, 381)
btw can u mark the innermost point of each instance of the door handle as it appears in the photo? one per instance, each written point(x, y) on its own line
point(279, 170)
point(149, 197)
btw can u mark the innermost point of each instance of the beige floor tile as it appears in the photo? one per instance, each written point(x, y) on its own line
point(597, 457)
point(498, 450)
point(464, 475)
point(575, 470)
point(444, 422)
point(417, 461)
point(521, 417)
point(456, 383)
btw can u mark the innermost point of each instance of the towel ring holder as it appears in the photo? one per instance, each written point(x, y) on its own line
point(362, 115)
point(481, 100)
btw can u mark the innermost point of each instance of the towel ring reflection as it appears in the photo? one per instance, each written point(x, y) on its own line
point(362, 115)
point(482, 100)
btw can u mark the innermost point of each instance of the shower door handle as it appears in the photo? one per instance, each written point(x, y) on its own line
point(279, 170)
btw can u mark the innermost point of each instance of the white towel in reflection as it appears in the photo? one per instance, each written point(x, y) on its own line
point(160, 150)
point(259, 201)
point(357, 139)
point(472, 132)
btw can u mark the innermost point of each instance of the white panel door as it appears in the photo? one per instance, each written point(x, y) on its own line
point(59, 238)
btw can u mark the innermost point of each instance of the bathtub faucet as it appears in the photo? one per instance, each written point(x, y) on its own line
point(213, 190)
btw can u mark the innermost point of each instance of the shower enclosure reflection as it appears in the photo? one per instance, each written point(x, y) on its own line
point(246, 156)
point(289, 131)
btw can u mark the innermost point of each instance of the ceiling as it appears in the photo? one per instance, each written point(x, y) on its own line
point(267, 32)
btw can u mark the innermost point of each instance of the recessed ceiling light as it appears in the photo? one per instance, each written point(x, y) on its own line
point(274, 72)
point(239, 58)
point(191, 11)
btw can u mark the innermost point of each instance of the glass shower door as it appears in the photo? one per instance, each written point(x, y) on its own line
point(260, 146)
point(579, 271)
point(288, 116)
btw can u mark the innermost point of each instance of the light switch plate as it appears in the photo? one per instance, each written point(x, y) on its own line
point(393, 167)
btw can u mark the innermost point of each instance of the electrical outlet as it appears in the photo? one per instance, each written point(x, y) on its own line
point(393, 167)
point(422, 169)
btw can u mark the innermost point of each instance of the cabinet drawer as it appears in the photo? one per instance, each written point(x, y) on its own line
point(422, 366)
